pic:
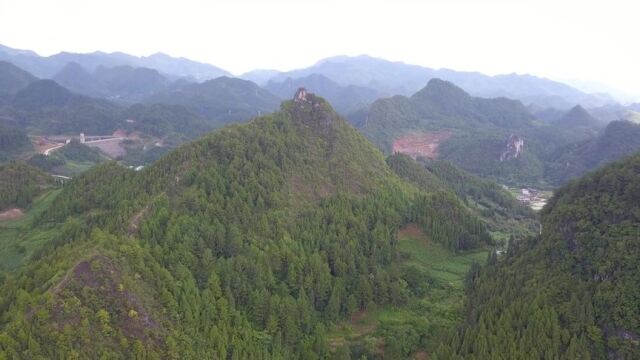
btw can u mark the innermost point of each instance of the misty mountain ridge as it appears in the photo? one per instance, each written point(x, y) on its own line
point(122, 83)
point(391, 78)
point(387, 77)
point(48, 66)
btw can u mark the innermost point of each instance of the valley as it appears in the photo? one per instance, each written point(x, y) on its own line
point(157, 207)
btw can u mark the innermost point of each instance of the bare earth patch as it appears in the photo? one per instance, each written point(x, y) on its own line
point(10, 214)
point(412, 231)
point(421, 144)
point(111, 147)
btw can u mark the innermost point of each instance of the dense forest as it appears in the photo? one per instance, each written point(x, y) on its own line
point(503, 215)
point(248, 243)
point(20, 183)
point(569, 293)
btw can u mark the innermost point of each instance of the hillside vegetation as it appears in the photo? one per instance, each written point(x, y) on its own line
point(248, 243)
point(20, 183)
point(569, 293)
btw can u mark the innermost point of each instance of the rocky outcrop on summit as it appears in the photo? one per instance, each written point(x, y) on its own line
point(312, 109)
point(514, 147)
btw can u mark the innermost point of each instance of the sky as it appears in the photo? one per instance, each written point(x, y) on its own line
point(591, 44)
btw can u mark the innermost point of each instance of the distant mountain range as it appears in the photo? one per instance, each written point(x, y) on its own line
point(392, 78)
point(49, 66)
point(124, 83)
point(384, 77)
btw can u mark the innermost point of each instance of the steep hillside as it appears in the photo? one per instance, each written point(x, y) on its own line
point(77, 79)
point(578, 118)
point(223, 99)
point(248, 243)
point(12, 141)
point(497, 138)
point(617, 140)
point(131, 83)
point(13, 79)
point(120, 83)
point(45, 106)
point(345, 99)
point(503, 215)
point(20, 183)
point(569, 293)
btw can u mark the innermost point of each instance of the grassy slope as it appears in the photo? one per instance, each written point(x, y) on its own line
point(18, 239)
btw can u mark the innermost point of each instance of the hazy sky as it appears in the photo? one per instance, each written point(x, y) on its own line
point(591, 41)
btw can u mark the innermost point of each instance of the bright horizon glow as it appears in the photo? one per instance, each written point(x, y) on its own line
point(592, 42)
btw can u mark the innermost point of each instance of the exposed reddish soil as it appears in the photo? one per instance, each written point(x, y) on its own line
point(112, 147)
point(410, 231)
point(421, 355)
point(13, 213)
point(421, 144)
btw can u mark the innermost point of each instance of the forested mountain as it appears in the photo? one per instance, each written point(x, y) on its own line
point(345, 99)
point(121, 83)
point(47, 67)
point(248, 243)
point(617, 140)
point(569, 293)
point(498, 137)
point(13, 79)
point(393, 78)
point(578, 117)
point(223, 99)
point(12, 141)
point(46, 107)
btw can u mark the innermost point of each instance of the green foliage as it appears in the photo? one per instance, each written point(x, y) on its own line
point(19, 238)
point(12, 141)
point(248, 243)
point(221, 100)
point(20, 183)
point(480, 129)
point(569, 293)
point(619, 139)
point(75, 151)
point(495, 206)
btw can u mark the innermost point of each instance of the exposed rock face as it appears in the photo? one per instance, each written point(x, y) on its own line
point(300, 96)
point(312, 110)
point(514, 148)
